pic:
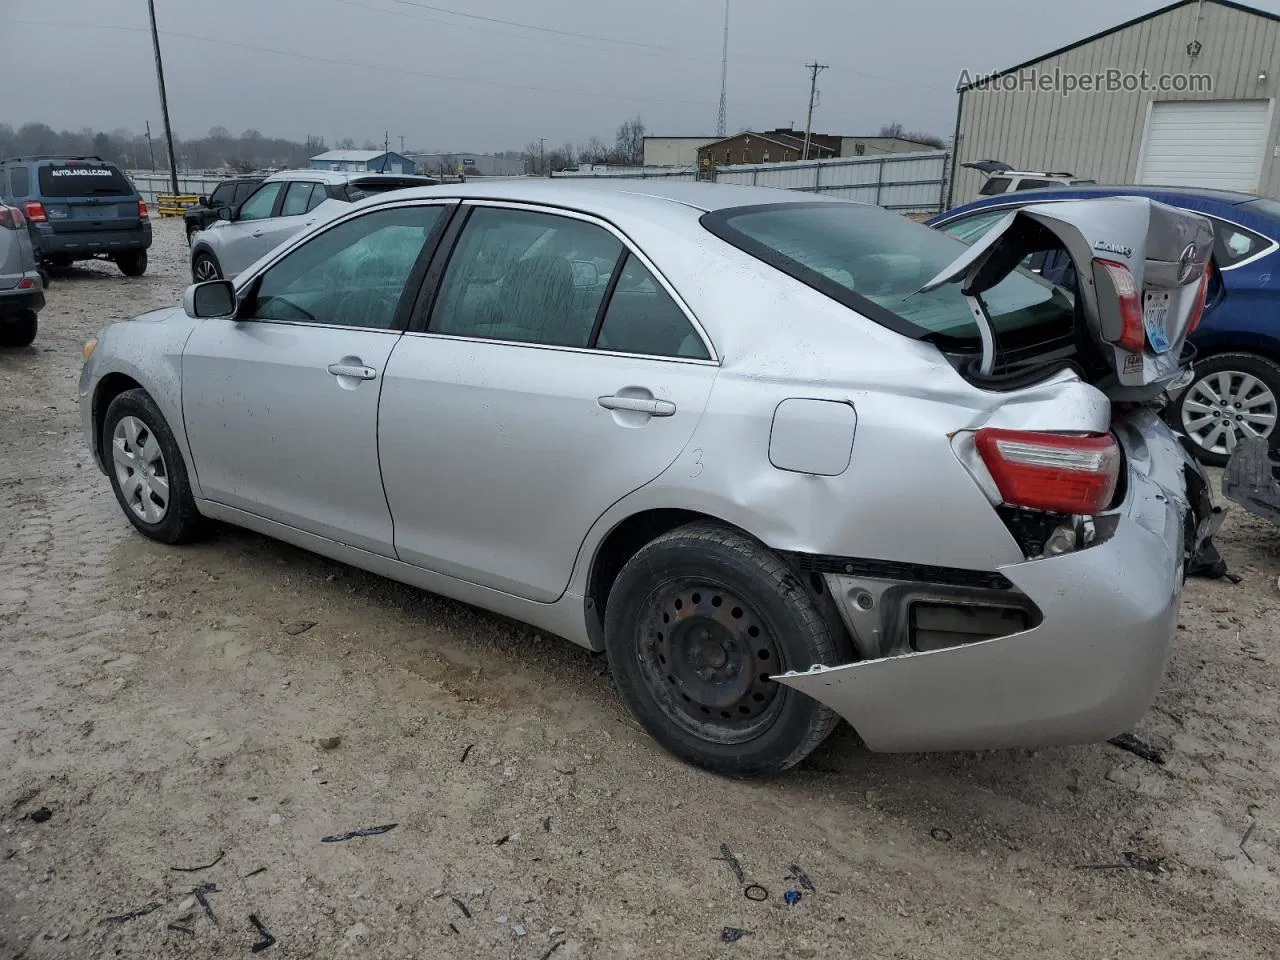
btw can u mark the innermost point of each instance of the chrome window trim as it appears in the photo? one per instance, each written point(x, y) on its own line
point(630, 246)
point(588, 351)
point(1274, 244)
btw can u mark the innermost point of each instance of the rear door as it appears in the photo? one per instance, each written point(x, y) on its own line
point(555, 374)
point(83, 196)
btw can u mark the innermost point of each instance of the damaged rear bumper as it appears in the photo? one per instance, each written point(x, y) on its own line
point(1093, 661)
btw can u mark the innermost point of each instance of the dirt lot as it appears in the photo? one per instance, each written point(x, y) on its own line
point(162, 707)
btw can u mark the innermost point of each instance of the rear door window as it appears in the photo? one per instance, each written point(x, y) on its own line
point(874, 262)
point(994, 186)
point(1027, 183)
point(73, 179)
point(19, 182)
point(296, 199)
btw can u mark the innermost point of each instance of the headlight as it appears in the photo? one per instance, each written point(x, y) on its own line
point(89, 346)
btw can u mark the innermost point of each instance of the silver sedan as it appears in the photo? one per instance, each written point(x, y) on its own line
point(784, 459)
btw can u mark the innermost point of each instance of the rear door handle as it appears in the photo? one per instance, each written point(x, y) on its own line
point(356, 371)
point(257, 234)
point(655, 408)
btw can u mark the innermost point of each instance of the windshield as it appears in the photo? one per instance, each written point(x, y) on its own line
point(869, 258)
point(83, 180)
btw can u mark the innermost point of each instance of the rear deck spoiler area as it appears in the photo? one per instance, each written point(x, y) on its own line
point(1145, 274)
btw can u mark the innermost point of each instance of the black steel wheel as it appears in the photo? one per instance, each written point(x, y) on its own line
point(697, 624)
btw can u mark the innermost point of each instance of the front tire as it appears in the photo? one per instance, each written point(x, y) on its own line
point(18, 330)
point(696, 624)
point(132, 264)
point(147, 471)
point(205, 266)
point(1232, 396)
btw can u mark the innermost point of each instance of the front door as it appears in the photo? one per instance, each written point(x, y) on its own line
point(281, 404)
point(543, 390)
point(244, 239)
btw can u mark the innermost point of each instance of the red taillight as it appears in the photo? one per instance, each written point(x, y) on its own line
point(1059, 472)
point(1132, 335)
point(11, 218)
point(142, 210)
point(35, 211)
point(26, 283)
point(1197, 307)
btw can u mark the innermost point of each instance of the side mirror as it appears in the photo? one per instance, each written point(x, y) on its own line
point(226, 213)
point(202, 200)
point(213, 299)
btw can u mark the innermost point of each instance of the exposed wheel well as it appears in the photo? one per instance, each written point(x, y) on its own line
point(1266, 353)
point(625, 540)
point(109, 387)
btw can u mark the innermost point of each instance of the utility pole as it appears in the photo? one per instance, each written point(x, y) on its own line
point(724, 74)
point(151, 147)
point(164, 99)
point(814, 68)
point(542, 156)
point(402, 143)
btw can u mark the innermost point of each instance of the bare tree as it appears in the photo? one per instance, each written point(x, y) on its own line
point(346, 143)
point(594, 151)
point(897, 130)
point(630, 142)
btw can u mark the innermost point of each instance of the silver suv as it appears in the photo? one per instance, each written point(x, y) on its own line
point(1002, 178)
point(283, 204)
point(21, 288)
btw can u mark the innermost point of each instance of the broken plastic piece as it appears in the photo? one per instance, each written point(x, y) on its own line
point(733, 934)
point(267, 939)
point(366, 832)
point(791, 897)
point(1252, 479)
point(134, 914)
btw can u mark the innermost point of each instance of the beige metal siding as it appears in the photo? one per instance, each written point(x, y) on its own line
point(1098, 134)
point(673, 151)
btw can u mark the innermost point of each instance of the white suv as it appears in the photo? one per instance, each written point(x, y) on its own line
point(1002, 178)
point(283, 204)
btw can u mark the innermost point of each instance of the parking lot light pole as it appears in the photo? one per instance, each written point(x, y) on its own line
point(164, 100)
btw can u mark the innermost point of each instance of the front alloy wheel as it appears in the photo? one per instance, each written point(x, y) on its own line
point(205, 268)
point(1234, 397)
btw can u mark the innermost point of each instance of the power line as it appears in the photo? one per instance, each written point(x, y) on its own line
point(724, 74)
point(815, 68)
point(528, 26)
point(381, 67)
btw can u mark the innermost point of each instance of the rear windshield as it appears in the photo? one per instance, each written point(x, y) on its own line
point(359, 189)
point(83, 180)
point(874, 261)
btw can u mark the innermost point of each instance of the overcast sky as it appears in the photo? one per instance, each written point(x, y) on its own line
point(422, 70)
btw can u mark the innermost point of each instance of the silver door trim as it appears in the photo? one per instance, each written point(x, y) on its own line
point(588, 351)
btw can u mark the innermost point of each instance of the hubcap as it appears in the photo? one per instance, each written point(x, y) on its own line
point(707, 658)
point(1225, 407)
point(140, 469)
point(205, 270)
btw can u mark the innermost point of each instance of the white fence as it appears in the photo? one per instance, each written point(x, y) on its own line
point(149, 184)
point(906, 182)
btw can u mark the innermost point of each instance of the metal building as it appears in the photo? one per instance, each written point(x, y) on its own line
point(371, 161)
point(1182, 96)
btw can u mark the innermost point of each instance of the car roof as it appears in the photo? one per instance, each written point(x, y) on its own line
point(613, 192)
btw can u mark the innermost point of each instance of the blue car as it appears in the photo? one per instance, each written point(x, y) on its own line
point(1235, 392)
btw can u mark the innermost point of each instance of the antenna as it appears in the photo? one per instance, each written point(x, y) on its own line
point(724, 73)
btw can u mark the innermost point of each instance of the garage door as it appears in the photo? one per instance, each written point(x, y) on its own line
point(1205, 144)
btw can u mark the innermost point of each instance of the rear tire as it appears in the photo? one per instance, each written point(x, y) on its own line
point(18, 330)
point(132, 264)
point(205, 266)
point(1231, 391)
point(147, 471)
point(696, 623)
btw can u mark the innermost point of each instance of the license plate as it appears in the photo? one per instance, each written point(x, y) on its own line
point(1155, 311)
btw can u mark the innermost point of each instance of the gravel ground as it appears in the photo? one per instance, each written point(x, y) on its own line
point(162, 708)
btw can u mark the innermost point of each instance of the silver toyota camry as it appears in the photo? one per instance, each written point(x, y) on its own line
point(785, 459)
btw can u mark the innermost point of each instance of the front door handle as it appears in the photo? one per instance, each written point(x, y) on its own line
point(655, 408)
point(356, 371)
point(258, 235)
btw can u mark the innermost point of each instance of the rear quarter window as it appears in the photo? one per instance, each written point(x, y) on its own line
point(874, 262)
point(83, 180)
point(19, 182)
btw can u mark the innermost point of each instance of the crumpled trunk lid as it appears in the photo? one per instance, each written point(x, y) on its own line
point(1142, 277)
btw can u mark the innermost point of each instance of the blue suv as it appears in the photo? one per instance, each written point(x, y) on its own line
point(78, 208)
point(1235, 390)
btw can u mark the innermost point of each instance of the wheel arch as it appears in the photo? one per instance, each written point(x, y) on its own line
point(108, 388)
point(627, 536)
